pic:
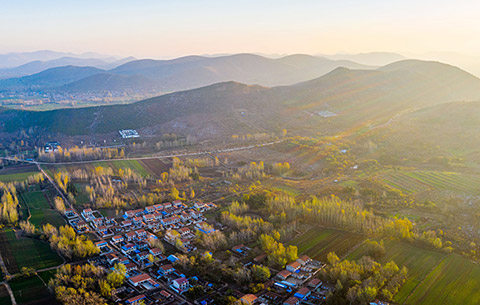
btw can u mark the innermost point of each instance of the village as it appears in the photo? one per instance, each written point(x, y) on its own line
point(151, 277)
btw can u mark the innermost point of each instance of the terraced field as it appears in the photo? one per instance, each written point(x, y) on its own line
point(418, 261)
point(26, 252)
point(318, 242)
point(411, 182)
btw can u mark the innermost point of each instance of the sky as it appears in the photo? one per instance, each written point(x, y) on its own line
point(163, 29)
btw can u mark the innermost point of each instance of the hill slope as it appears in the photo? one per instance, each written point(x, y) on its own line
point(356, 96)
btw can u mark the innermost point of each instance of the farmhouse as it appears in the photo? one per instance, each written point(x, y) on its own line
point(129, 133)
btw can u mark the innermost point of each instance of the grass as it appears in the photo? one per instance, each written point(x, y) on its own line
point(26, 252)
point(419, 262)
point(454, 281)
point(35, 200)
point(16, 177)
point(318, 242)
point(31, 289)
point(82, 196)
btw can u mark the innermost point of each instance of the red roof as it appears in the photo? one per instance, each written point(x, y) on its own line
point(140, 278)
point(136, 298)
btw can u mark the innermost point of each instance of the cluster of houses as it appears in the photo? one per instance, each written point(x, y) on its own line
point(294, 285)
point(131, 241)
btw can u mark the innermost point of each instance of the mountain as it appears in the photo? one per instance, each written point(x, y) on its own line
point(355, 97)
point(104, 82)
point(196, 71)
point(37, 66)
point(16, 59)
point(372, 59)
point(49, 78)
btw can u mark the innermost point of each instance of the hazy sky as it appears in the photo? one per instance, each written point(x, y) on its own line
point(144, 28)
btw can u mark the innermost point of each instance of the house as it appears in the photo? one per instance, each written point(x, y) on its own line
point(314, 284)
point(137, 220)
point(284, 274)
point(111, 258)
point(177, 203)
point(204, 227)
point(70, 213)
point(150, 209)
point(158, 206)
point(141, 234)
point(196, 214)
point(157, 216)
point(167, 205)
point(143, 255)
point(149, 218)
point(304, 259)
point(87, 214)
point(260, 258)
point(181, 284)
point(184, 231)
point(292, 301)
point(302, 293)
point(135, 300)
point(100, 244)
point(155, 251)
point(130, 267)
point(293, 267)
point(185, 216)
point(130, 236)
point(128, 248)
point(166, 269)
point(117, 239)
point(166, 294)
point(139, 279)
point(170, 220)
point(126, 224)
point(123, 260)
point(248, 299)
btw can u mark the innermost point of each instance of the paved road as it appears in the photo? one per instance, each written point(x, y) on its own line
point(188, 154)
point(6, 273)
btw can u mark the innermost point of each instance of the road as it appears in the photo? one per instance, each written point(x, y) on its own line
point(187, 154)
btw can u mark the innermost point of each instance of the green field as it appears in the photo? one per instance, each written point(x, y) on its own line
point(418, 261)
point(318, 242)
point(36, 205)
point(35, 200)
point(31, 289)
point(4, 296)
point(26, 252)
point(82, 196)
point(455, 280)
point(411, 182)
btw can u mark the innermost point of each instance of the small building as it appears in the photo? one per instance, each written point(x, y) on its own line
point(180, 284)
point(135, 300)
point(166, 269)
point(302, 293)
point(292, 301)
point(293, 267)
point(139, 279)
point(303, 260)
point(284, 274)
point(248, 299)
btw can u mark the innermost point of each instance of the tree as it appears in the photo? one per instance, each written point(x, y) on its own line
point(192, 194)
point(59, 204)
point(117, 276)
point(260, 273)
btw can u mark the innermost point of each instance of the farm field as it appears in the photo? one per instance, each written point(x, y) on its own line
point(36, 205)
point(411, 182)
point(155, 166)
point(26, 252)
point(82, 196)
point(31, 290)
point(454, 281)
point(418, 261)
point(318, 242)
point(17, 173)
